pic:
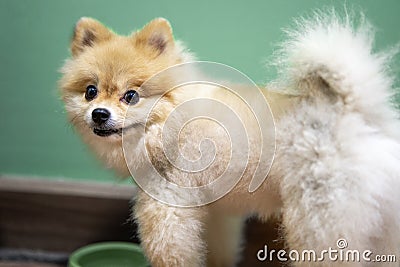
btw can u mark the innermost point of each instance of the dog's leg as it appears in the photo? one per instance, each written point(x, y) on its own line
point(170, 236)
point(338, 186)
point(313, 235)
point(223, 235)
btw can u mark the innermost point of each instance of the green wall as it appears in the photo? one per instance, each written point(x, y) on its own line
point(36, 139)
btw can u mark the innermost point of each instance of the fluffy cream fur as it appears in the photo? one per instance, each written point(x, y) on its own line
point(336, 172)
point(339, 153)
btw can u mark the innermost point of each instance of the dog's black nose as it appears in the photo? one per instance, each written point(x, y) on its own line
point(100, 115)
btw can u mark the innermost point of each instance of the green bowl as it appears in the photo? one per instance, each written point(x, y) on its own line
point(108, 254)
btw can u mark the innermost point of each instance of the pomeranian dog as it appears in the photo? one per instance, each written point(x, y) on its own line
point(335, 174)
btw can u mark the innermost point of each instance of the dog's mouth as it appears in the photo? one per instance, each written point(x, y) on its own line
point(107, 132)
point(111, 131)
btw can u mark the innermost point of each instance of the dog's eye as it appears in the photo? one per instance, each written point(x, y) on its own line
point(91, 92)
point(131, 97)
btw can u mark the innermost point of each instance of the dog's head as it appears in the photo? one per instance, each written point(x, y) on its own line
point(105, 75)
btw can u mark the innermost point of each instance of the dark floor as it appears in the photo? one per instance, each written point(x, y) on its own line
point(32, 258)
point(27, 264)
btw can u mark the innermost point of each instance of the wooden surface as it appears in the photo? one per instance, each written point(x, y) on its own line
point(62, 219)
point(66, 218)
point(65, 187)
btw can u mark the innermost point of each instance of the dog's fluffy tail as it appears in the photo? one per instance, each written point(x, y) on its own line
point(333, 56)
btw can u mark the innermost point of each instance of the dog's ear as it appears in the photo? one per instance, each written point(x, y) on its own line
point(87, 33)
point(157, 35)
